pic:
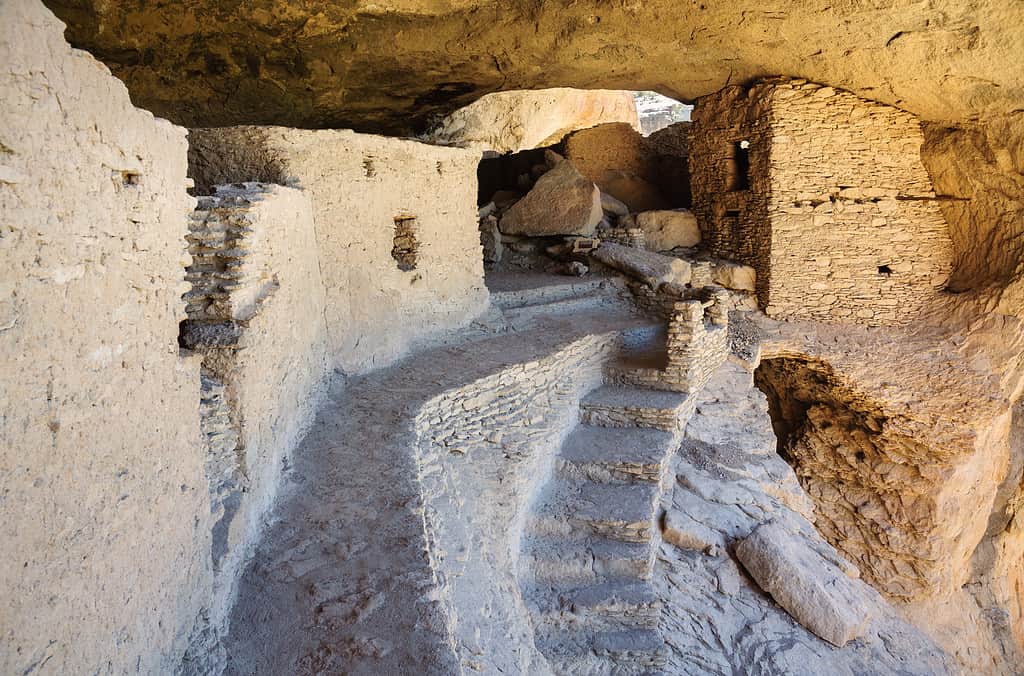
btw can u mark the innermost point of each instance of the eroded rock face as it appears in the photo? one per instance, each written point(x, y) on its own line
point(508, 122)
point(978, 170)
point(316, 64)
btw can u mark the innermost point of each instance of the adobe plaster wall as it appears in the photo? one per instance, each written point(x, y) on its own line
point(359, 184)
point(101, 462)
point(273, 371)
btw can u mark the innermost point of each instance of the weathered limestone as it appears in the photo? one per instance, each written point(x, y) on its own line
point(664, 230)
point(508, 122)
point(811, 588)
point(104, 515)
point(562, 202)
point(361, 188)
point(651, 268)
point(824, 194)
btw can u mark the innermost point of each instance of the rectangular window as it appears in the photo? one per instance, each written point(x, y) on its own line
point(405, 245)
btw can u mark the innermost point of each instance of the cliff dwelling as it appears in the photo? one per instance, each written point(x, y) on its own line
point(462, 337)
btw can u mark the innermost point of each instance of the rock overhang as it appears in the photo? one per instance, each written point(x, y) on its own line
point(392, 66)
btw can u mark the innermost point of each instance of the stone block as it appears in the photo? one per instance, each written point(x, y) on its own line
point(811, 588)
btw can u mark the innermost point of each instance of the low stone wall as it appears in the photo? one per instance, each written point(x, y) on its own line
point(364, 189)
point(484, 450)
point(104, 508)
point(271, 364)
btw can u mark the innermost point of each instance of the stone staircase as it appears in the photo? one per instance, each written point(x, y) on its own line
point(589, 545)
point(558, 297)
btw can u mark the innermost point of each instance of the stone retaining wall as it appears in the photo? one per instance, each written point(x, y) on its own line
point(272, 365)
point(484, 451)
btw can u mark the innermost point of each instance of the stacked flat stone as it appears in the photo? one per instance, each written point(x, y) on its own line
point(838, 215)
point(226, 276)
point(223, 470)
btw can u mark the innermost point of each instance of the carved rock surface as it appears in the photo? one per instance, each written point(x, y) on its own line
point(562, 202)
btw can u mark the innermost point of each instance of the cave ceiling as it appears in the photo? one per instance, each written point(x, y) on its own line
point(392, 65)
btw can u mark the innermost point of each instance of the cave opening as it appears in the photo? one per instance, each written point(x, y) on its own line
point(537, 215)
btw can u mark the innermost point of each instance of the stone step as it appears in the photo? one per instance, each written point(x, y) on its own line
point(558, 308)
point(549, 293)
point(558, 561)
point(612, 604)
point(609, 454)
point(617, 406)
point(625, 652)
point(576, 509)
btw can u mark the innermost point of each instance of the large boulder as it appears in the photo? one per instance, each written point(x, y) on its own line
point(734, 276)
point(616, 158)
point(664, 230)
point(562, 202)
point(651, 268)
point(508, 122)
point(817, 592)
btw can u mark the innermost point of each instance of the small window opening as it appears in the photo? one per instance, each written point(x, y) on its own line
point(884, 270)
point(130, 178)
point(406, 246)
point(738, 167)
point(732, 213)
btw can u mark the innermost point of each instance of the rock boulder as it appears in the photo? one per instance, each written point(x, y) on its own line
point(651, 268)
point(562, 202)
point(666, 230)
point(812, 588)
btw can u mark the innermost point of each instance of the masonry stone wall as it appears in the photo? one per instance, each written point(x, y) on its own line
point(484, 451)
point(696, 340)
point(254, 246)
point(830, 203)
point(104, 499)
point(362, 187)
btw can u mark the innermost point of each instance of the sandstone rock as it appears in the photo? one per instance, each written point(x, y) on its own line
point(651, 268)
point(615, 157)
point(561, 203)
point(613, 206)
point(734, 276)
point(812, 589)
point(666, 230)
point(508, 122)
point(551, 158)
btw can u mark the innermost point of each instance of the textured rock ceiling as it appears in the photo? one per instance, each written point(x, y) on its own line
point(388, 65)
